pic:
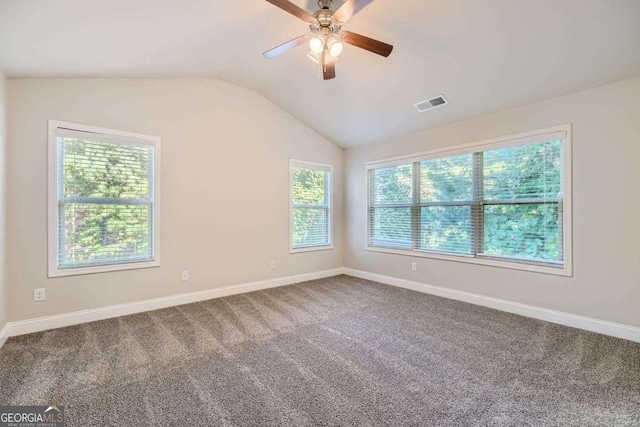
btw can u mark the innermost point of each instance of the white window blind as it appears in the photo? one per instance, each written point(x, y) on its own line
point(105, 211)
point(522, 202)
point(446, 204)
point(310, 206)
point(504, 203)
point(392, 206)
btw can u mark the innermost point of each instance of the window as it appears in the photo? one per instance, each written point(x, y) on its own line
point(310, 206)
point(502, 202)
point(103, 200)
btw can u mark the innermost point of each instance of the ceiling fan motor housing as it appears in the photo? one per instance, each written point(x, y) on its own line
point(324, 19)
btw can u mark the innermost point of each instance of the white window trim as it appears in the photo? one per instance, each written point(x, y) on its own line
point(53, 270)
point(317, 166)
point(490, 144)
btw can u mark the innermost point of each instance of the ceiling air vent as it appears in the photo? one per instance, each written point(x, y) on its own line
point(430, 104)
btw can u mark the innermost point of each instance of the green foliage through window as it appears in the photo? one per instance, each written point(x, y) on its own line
point(310, 198)
point(505, 202)
point(446, 228)
point(105, 202)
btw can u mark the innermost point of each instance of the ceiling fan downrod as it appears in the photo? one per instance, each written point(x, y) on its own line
point(324, 18)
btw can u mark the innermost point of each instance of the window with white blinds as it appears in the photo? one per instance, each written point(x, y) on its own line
point(502, 203)
point(103, 200)
point(310, 206)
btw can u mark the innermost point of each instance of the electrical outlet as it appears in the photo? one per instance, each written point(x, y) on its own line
point(39, 294)
point(414, 266)
point(272, 265)
point(185, 276)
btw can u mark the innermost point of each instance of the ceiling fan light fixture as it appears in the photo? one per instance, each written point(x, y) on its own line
point(316, 44)
point(335, 46)
point(327, 40)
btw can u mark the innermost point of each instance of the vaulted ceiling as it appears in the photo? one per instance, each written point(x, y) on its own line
point(484, 56)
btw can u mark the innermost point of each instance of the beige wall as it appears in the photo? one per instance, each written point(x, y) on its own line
point(4, 305)
point(606, 204)
point(225, 152)
point(225, 201)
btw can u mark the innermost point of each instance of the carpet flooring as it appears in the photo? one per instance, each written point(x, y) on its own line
point(333, 352)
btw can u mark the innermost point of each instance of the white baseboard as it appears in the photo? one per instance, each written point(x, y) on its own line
point(68, 319)
point(631, 333)
point(618, 330)
point(4, 334)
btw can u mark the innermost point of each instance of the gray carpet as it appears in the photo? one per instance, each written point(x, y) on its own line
point(337, 351)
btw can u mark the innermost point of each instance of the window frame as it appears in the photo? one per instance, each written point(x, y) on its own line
point(328, 190)
point(566, 268)
point(53, 201)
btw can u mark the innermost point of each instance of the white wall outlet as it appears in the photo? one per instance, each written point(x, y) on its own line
point(414, 266)
point(39, 295)
point(272, 265)
point(185, 276)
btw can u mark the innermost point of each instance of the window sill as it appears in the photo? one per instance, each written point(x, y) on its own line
point(62, 272)
point(310, 249)
point(560, 271)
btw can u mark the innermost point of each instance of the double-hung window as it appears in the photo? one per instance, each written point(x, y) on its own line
point(103, 200)
point(310, 206)
point(504, 202)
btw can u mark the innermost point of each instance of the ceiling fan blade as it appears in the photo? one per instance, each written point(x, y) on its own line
point(328, 66)
point(350, 8)
point(293, 9)
point(366, 43)
point(285, 47)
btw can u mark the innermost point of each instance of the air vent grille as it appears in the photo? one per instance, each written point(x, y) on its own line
point(430, 104)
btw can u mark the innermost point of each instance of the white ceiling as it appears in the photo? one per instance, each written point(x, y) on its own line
point(484, 56)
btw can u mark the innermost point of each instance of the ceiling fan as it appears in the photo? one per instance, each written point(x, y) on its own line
point(327, 38)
